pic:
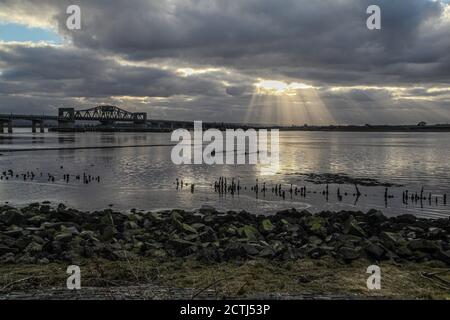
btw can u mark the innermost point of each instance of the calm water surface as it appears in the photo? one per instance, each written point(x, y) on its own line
point(143, 177)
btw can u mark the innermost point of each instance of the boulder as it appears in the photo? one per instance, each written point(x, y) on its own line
point(180, 244)
point(205, 209)
point(316, 225)
point(37, 219)
point(321, 251)
point(375, 216)
point(15, 232)
point(6, 249)
point(63, 236)
point(34, 248)
point(108, 233)
point(208, 235)
point(349, 254)
point(391, 240)
point(267, 226)
point(187, 228)
point(351, 227)
point(251, 249)
point(8, 258)
point(233, 250)
point(428, 246)
point(403, 251)
point(131, 225)
point(436, 234)
point(250, 232)
point(374, 250)
point(12, 217)
point(406, 218)
point(266, 252)
point(288, 254)
point(155, 217)
point(73, 230)
point(45, 209)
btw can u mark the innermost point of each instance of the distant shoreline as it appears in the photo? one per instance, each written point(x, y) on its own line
point(434, 128)
point(221, 126)
point(331, 128)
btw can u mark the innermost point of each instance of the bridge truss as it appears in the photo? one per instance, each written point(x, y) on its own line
point(101, 113)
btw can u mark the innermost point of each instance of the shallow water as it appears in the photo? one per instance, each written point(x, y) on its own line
point(143, 177)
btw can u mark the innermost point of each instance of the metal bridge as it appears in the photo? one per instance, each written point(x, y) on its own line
point(106, 115)
point(103, 114)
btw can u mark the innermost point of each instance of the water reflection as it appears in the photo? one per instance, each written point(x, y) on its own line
point(144, 177)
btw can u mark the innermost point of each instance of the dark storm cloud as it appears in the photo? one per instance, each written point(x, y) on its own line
point(85, 73)
point(299, 38)
point(134, 48)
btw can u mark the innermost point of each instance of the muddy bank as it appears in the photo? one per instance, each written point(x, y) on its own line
point(340, 178)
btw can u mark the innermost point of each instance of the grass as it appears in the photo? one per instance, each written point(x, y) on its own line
point(258, 278)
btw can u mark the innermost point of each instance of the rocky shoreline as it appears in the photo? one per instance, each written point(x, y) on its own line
point(42, 234)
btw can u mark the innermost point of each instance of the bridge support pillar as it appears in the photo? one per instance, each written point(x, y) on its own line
point(1, 127)
point(66, 124)
point(10, 126)
point(66, 118)
point(34, 126)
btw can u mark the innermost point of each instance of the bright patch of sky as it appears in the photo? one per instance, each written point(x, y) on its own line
point(21, 33)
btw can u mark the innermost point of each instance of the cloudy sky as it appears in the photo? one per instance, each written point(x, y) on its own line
point(265, 61)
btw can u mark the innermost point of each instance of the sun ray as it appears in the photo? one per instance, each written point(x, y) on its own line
point(285, 103)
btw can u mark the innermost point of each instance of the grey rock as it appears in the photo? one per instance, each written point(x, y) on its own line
point(5, 250)
point(205, 209)
point(251, 249)
point(349, 254)
point(63, 236)
point(351, 227)
point(33, 248)
point(13, 217)
point(45, 209)
point(266, 252)
point(266, 226)
point(423, 245)
point(374, 250)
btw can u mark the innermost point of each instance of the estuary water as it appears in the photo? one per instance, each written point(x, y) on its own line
point(136, 171)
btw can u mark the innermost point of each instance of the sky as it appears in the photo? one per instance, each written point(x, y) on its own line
point(289, 62)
